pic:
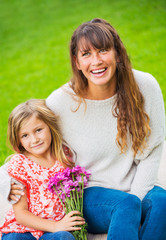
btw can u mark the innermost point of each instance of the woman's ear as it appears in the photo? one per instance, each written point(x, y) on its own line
point(118, 59)
point(77, 63)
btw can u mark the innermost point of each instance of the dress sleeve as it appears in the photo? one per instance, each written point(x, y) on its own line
point(17, 168)
point(148, 161)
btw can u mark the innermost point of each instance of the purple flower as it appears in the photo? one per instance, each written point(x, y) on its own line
point(68, 186)
point(74, 179)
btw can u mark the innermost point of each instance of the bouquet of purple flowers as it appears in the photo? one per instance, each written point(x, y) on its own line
point(69, 186)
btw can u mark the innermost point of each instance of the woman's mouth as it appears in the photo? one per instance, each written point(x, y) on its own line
point(99, 72)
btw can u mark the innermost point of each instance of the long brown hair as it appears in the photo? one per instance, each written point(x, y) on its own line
point(37, 107)
point(129, 104)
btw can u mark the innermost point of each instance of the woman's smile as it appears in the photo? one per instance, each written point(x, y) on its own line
point(99, 72)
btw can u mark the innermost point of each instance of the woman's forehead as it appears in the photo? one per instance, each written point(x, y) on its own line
point(84, 44)
point(93, 42)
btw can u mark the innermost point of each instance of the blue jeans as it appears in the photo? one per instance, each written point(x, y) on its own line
point(112, 211)
point(153, 220)
point(119, 214)
point(61, 235)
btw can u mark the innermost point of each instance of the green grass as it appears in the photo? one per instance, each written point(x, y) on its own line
point(35, 35)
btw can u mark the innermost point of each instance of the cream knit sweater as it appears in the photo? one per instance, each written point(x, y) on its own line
point(92, 133)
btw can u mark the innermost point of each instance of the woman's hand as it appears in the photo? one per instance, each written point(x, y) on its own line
point(70, 222)
point(16, 191)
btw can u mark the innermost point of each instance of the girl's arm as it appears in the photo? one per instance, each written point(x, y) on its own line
point(28, 219)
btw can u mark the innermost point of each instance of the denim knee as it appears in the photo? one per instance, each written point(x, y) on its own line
point(156, 199)
point(62, 235)
point(132, 201)
point(18, 236)
point(153, 215)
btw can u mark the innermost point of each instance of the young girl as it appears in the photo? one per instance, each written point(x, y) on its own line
point(34, 134)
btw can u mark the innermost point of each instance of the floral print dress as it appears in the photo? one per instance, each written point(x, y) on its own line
point(41, 201)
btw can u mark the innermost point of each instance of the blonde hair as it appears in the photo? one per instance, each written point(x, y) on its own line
point(129, 105)
point(23, 112)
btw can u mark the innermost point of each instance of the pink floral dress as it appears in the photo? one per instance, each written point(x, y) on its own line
point(41, 201)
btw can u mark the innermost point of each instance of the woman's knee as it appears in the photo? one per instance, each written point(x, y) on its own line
point(157, 194)
point(132, 201)
point(155, 202)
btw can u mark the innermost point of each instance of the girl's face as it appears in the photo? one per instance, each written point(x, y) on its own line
point(98, 66)
point(35, 137)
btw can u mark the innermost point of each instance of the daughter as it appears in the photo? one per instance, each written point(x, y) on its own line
point(34, 134)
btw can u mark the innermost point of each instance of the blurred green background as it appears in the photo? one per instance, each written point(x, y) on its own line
point(34, 44)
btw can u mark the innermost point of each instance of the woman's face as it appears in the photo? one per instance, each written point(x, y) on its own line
point(98, 66)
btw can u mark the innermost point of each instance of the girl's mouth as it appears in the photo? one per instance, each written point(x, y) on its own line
point(38, 145)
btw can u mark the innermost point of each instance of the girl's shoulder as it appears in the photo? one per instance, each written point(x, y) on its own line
point(17, 167)
point(16, 162)
point(17, 158)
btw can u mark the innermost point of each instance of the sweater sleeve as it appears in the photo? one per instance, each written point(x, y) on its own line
point(148, 161)
point(146, 173)
point(5, 181)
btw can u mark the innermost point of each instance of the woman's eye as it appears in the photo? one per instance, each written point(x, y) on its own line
point(103, 50)
point(86, 54)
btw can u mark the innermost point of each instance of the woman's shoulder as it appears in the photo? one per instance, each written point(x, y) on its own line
point(145, 79)
point(147, 83)
point(60, 97)
point(60, 92)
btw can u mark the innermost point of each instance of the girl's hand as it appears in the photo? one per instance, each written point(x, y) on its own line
point(70, 222)
point(16, 189)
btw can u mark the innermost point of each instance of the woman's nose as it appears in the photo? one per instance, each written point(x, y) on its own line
point(97, 60)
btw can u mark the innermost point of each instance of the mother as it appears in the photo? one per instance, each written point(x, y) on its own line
point(113, 118)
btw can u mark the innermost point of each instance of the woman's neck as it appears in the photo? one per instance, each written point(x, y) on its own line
point(100, 93)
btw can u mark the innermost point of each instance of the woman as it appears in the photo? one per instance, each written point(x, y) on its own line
point(113, 118)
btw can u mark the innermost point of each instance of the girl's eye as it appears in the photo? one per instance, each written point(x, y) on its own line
point(39, 130)
point(24, 136)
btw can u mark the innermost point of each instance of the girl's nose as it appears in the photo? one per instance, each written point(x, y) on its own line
point(34, 139)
